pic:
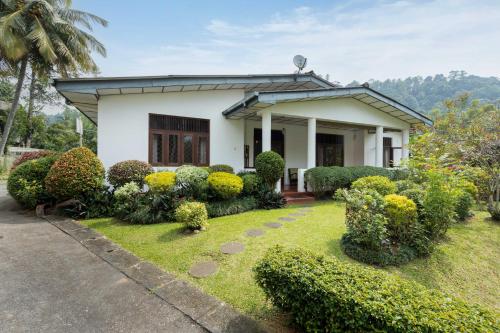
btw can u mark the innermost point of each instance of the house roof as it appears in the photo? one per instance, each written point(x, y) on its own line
point(249, 106)
point(84, 93)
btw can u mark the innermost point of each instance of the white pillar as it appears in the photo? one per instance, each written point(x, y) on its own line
point(379, 146)
point(266, 130)
point(311, 143)
point(405, 153)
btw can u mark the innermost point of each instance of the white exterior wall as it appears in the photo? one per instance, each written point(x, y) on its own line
point(369, 146)
point(123, 131)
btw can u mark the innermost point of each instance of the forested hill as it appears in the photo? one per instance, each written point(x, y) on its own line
point(424, 94)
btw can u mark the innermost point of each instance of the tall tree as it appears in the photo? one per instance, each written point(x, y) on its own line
point(48, 33)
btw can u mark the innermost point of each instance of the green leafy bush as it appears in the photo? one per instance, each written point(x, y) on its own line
point(252, 183)
point(269, 199)
point(270, 167)
point(225, 185)
point(382, 185)
point(416, 195)
point(326, 180)
point(163, 181)
point(94, 204)
point(76, 173)
point(152, 207)
point(192, 182)
point(129, 171)
point(397, 174)
point(230, 207)
point(401, 214)
point(26, 183)
point(193, 214)
point(221, 168)
point(125, 199)
point(366, 170)
point(324, 294)
point(405, 184)
point(31, 155)
point(463, 204)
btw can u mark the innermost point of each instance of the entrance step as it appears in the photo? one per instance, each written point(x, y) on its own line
point(298, 197)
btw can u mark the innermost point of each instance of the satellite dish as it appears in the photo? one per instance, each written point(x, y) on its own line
point(300, 62)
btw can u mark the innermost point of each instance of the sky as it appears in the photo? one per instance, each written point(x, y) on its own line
point(348, 40)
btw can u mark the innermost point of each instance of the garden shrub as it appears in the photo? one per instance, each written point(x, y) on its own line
point(405, 184)
point(26, 183)
point(269, 199)
point(326, 180)
point(438, 206)
point(192, 181)
point(129, 171)
point(193, 214)
point(125, 199)
point(366, 170)
point(225, 185)
point(463, 203)
point(251, 183)
point(230, 207)
point(270, 167)
point(468, 187)
point(398, 174)
point(163, 181)
point(221, 168)
point(76, 173)
point(324, 294)
point(401, 214)
point(382, 185)
point(31, 155)
point(416, 195)
point(152, 207)
point(94, 204)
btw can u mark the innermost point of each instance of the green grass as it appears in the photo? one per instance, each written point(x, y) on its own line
point(466, 265)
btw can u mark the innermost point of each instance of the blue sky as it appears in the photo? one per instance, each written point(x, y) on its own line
point(349, 40)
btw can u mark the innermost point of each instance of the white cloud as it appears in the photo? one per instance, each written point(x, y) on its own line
point(358, 40)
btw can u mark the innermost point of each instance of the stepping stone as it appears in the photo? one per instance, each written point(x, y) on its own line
point(297, 214)
point(254, 232)
point(203, 269)
point(232, 248)
point(287, 219)
point(305, 210)
point(273, 225)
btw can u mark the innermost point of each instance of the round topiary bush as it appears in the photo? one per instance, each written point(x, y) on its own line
point(75, 173)
point(129, 171)
point(189, 175)
point(161, 181)
point(221, 168)
point(193, 214)
point(382, 185)
point(225, 185)
point(401, 214)
point(32, 155)
point(26, 183)
point(270, 167)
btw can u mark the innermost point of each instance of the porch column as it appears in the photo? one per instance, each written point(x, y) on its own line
point(266, 130)
point(405, 153)
point(379, 146)
point(311, 143)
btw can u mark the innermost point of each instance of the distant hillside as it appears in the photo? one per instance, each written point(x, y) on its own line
point(424, 94)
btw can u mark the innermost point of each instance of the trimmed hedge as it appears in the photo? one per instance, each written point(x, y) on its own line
point(161, 181)
point(221, 168)
point(230, 207)
point(225, 185)
point(128, 171)
point(31, 155)
point(252, 183)
point(324, 294)
point(381, 184)
point(77, 172)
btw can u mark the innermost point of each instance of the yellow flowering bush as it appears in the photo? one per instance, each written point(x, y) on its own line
point(401, 214)
point(382, 185)
point(225, 185)
point(161, 181)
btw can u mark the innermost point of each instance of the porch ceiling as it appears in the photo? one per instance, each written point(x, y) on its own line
point(84, 93)
point(250, 106)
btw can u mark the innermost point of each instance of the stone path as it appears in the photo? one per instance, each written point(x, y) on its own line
point(273, 225)
point(232, 248)
point(254, 232)
point(204, 269)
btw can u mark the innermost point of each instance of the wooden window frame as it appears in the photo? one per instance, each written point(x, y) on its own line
point(180, 146)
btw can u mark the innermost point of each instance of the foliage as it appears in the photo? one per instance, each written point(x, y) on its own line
point(97, 203)
point(325, 180)
point(193, 214)
point(377, 183)
point(32, 155)
point(151, 207)
point(416, 195)
point(438, 206)
point(125, 199)
point(401, 214)
point(270, 167)
point(75, 173)
point(128, 171)
point(324, 294)
point(26, 183)
point(230, 207)
point(463, 204)
point(366, 170)
point(406, 184)
point(251, 183)
point(192, 181)
point(225, 185)
point(163, 181)
point(269, 199)
point(221, 168)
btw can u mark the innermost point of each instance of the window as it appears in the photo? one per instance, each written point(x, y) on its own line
point(178, 140)
point(388, 161)
point(329, 150)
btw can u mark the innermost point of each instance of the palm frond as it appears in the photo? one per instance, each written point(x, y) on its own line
point(42, 40)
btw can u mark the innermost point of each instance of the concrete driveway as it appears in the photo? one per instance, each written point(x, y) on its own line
point(49, 282)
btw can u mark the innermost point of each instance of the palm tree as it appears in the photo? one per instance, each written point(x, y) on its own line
point(46, 34)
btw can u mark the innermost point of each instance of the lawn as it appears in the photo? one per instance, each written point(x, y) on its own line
point(465, 265)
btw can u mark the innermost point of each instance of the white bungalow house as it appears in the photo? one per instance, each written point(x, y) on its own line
point(229, 119)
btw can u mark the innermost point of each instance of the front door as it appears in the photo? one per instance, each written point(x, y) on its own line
point(277, 142)
point(329, 150)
